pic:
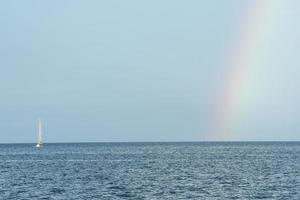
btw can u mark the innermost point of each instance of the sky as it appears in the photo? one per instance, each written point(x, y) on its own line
point(120, 71)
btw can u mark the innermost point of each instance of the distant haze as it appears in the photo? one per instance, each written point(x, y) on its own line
point(149, 70)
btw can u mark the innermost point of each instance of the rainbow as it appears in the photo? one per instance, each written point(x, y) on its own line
point(249, 49)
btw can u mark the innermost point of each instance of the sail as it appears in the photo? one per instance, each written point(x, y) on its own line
point(40, 139)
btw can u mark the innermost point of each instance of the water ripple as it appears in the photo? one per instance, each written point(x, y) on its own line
point(151, 171)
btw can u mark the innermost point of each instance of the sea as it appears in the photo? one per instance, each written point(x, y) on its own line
point(164, 170)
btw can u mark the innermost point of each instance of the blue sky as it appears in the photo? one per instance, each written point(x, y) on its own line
point(137, 71)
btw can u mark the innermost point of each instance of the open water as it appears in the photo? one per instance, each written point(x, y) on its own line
point(221, 170)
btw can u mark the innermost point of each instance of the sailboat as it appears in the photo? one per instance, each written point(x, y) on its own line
point(40, 139)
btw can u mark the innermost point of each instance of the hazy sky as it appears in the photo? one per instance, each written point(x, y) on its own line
point(146, 70)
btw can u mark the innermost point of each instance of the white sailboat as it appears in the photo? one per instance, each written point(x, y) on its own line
point(40, 139)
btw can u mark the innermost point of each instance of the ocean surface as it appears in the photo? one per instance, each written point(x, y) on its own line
point(208, 170)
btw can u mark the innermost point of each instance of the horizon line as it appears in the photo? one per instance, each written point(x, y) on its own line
point(204, 141)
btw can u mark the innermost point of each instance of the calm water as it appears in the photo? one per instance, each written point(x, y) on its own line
point(150, 171)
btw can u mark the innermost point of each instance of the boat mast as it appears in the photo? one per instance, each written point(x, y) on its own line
point(40, 140)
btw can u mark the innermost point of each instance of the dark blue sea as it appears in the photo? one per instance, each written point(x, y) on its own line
point(208, 170)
